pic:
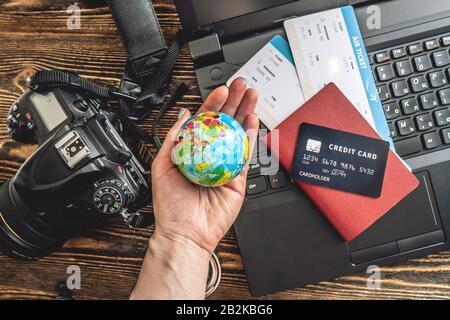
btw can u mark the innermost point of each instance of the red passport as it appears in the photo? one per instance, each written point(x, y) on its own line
point(349, 213)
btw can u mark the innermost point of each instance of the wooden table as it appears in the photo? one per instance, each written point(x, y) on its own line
point(33, 35)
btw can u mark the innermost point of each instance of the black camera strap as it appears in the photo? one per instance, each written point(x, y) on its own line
point(46, 80)
point(162, 75)
point(150, 62)
point(138, 24)
point(150, 91)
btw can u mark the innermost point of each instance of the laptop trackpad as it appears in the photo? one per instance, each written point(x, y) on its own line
point(415, 215)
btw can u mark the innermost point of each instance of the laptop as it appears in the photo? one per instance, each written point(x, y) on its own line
point(285, 242)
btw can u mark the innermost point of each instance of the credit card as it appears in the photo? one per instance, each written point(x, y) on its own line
point(340, 160)
point(272, 73)
point(328, 47)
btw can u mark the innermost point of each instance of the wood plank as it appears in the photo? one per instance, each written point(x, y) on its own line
point(33, 35)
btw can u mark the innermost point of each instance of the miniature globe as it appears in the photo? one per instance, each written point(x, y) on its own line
point(211, 149)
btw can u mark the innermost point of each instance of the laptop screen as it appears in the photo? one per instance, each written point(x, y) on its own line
point(212, 11)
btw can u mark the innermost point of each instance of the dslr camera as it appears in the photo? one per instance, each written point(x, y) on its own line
point(82, 172)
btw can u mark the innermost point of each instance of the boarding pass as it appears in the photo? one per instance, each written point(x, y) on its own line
point(328, 47)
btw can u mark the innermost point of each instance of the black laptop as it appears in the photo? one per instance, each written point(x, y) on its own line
point(284, 240)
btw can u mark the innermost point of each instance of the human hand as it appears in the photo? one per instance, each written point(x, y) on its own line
point(185, 212)
point(191, 220)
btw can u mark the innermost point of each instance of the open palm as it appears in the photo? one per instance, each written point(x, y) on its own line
point(187, 212)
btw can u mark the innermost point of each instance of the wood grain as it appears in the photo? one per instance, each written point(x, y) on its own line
point(33, 35)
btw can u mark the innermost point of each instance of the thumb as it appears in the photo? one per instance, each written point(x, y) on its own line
point(171, 136)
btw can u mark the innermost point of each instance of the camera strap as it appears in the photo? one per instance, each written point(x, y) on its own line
point(150, 91)
point(150, 62)
point(138, 24)
point(46, 80)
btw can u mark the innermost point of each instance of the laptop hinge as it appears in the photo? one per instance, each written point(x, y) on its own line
point(206, 51)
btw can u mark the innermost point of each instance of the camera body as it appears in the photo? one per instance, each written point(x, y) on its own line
point(82, 172)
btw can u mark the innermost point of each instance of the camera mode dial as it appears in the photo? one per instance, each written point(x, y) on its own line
point(109, 196)
point(21, 127)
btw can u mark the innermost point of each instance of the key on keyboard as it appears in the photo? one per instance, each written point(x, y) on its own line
point(422, 63)
point(413, 81)
point(437, 79)
point(441, 58)
point(398, 53)
point(431, 140)
point(410, 106)
point(432, 44)
point(278, 181)
point(428, 101)
point(264, 178)
point(256, 185)
point(403, 68)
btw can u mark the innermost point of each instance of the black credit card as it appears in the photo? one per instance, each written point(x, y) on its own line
point(340, 160)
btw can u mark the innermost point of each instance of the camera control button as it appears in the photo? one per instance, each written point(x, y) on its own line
point(131, 197)
point(13, 123)
point(109, 197)
point(30, 125)
point(81, 105)
point(216, 74)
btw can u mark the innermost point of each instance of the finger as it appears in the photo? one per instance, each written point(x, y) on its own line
point(251, 126)
point(236, 93)
point(171, 136)
point(216, 100)
point(247, 106)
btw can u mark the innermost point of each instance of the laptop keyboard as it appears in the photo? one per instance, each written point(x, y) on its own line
point(273, 180)
point(413, 82)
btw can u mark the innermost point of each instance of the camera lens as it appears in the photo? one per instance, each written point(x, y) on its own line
point(22, 234)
